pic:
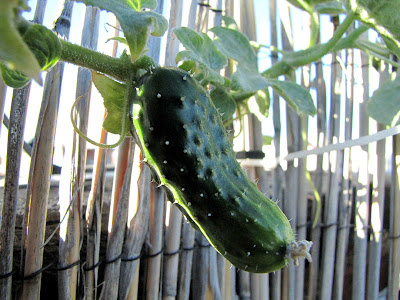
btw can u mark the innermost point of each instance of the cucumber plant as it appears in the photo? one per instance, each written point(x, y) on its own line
point(174, 113)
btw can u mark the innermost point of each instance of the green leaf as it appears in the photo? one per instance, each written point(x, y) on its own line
point(223, 102)
point(384, 105)
point(259, 104)
point(113, 94)
point(202, 51)
point(44, 44)
point(373, 48)
point(119, 39)
point(189, 66)
point(332, 8)
point(267, 140)
point(138, 5)
point(230, 23)
point(14, 52)
point(296, 96)
point(383, 15)
point(135, 22)
point(248, 80)
point(308, 4)
point(236, 46)
point(12, 78)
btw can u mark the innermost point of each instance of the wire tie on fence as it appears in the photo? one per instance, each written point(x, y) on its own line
point(130, 259)
point(172, 253)
point(323, 225)
point(9, 274)
point(187, 248)
point(394, 237)
point(345, 226)
point(204, 4)
point(38, 272)
point(217, 11)
point(307, 224)
point(91, 268)
point(203, 245)
point(113, 260)
point(154, 254)
point(68, 266)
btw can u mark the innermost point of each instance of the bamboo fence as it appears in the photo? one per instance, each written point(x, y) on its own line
point(103, 230)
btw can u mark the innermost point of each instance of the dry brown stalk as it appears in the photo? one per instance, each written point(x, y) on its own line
point(155, 242)
point(137, 225)
point(119, 215)
point(39, 183)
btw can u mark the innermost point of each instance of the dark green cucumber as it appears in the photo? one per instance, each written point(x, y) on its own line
point(183, 139)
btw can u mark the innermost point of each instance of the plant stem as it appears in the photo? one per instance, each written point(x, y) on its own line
point(307, 56)
point(314, 28)
point(118, 68)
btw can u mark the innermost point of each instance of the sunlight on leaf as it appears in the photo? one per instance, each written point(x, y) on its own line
point(236, 46)
point(202, 51)
point(384, 105)
point(138, 5)
point(296, 96)
point(113, 94)
point(382, 15)
point(248, 80)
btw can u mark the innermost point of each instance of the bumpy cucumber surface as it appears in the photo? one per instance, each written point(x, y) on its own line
point(184, 142)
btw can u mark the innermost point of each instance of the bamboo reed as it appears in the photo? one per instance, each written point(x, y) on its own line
point(243, 280)
point(95, 206)
point(302, 206)
point(377, 209)
point(200, 272)
point(154, 43)
point(173, 228)
point(278, 178)
point(155, 244)
point(118, 218)
point(290, 201)
point(14, 149)
point(250, 139)
point(291, 174)
point(213, 282)
point(185, 261)
point(331, 206)
point(394, 232)
point(39, 19)
point(93, 220)
point(39, 182)
point(70, 241)
point(362, 198)
point(175, 20)
point(171, 259)
point(134, 289)
point(345, 204)
point(319, 177)
point(138, 223)
point(264, 186)
point(66, 198)
point(3, 90)
point(202, 16)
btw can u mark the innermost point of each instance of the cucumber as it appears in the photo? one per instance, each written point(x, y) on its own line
point(184, 142)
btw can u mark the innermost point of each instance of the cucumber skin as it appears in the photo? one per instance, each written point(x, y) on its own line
point(185, 144)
